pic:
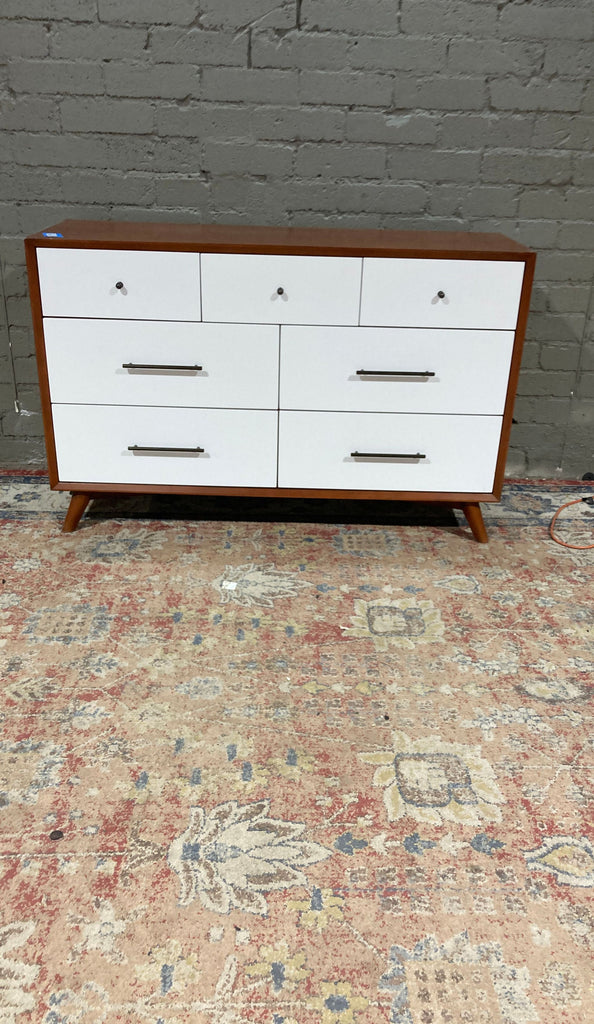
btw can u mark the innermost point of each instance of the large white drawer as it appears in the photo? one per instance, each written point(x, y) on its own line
point(438, 370)
point(441, 293)
point(93, 445)
point(316, 450)
point(154, 285)
point(173, 363)
point(280, 289)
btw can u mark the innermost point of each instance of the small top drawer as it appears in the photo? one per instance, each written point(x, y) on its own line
point(119, 283)
point(280, 289)
point(441, 293)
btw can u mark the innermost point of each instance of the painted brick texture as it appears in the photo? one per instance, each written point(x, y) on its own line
point(445, 114)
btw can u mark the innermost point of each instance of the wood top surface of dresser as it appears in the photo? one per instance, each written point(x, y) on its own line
point(299, 241)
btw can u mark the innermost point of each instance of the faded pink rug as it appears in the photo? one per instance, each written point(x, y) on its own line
point(266, 773)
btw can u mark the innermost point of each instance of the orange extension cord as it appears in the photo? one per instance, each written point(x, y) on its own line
point(577, 547)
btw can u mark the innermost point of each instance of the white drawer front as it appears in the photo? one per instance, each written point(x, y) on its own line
point(92, 445)
point(408, 293)
point(315, 289)
point(467, 371)
point(155, 285)
point(87, 362)
point(315, 450)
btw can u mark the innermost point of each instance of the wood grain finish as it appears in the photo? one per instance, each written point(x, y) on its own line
point(37, 316)
point(298, 241)
point(79, 501)
point(279, 241)
point(474, 516)
point(514, 374)
point(76, 508)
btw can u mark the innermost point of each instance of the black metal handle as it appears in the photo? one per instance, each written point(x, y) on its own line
point(386, 455)
point(280, 291)
point(395, 373)
point(155, 448)
point(159, 366)
point(119, 285)
point(441, 295)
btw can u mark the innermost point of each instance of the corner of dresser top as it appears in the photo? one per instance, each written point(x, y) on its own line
point(54, 234)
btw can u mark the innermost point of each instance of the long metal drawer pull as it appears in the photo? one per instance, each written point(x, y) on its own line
point(159, 366)
point(155, 448)
point(395, 373)
point(386, 455)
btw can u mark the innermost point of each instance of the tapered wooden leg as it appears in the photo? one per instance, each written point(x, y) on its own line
point(474, 517)
point(78, 504)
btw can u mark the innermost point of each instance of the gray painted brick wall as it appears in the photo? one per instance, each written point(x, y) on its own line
point(445, 114)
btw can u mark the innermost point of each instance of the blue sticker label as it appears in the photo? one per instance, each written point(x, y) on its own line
point(52, 234)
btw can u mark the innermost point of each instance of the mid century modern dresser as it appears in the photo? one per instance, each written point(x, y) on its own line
point(256, 361)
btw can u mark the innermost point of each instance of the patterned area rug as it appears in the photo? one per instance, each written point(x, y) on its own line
point(297, 772)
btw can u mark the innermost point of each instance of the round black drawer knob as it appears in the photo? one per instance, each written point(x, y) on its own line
point(119, 285)
point(280, 291)
point(440, 295)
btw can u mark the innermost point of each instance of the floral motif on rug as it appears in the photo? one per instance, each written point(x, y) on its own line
point(396, 623)
point(435, 782)
point(297, 772)
point(233, 855)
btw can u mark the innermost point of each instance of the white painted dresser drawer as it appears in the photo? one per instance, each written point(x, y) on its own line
point(119, 445)
point(119, 283)
point(160, 362)
point(426, 453)
point(280, 289)
point(418, 369)
point(441, 293)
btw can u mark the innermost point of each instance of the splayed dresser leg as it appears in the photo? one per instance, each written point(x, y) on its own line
point(474, 517)
point(78, 504)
